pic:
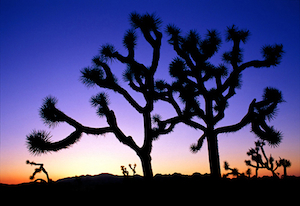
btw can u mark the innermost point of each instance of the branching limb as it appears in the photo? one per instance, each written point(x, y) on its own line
point(176, 41)
point(194, 124)
point(39, 141)
point(272, 56)
point(164, 92)
point(248, 163)
point(95, 76)
point(127, 140)
point(245, 120)
point(164, 127)
point(40, 169)
point(100, 101)
point(196, 147)
point(129, 98)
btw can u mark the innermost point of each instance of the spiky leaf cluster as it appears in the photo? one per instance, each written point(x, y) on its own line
point(148, 22)
point(267, 133)
point(272, 95)
point(231, 56)
point(135, 73)
point(100, 101)
point(193, 45)
point(234, 34)
point(196, 147)
point(38, 142)
point(129, 40)
point(49, 113)
point(99, 74)
point(266, 109)
point(178, 69)
point(272, 54)
point(226, 165)
point(211, 43)
point(220, 71)
point(90, 76)
point(160, 126)
point(161, 86)
point(107, 51)
point(285, 162)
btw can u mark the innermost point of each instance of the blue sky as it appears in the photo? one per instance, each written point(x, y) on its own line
point(45, 44)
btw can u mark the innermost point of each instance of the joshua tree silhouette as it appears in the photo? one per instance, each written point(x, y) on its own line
point(248, 172)
point(257, 158)
point(124, 171)
point(133, 168)
point(234, 171)
point(285, 163)
point(192, 70)
point(140, 78)
point(37, 170)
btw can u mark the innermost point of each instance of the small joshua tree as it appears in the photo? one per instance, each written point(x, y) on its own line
point(37, 170)
point(285, 163)
point(124, 171)
point(233, 172)
point(133, 168)
point(248, 172)
point(257, 158)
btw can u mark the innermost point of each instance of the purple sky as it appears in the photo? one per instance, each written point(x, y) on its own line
point(45, 44)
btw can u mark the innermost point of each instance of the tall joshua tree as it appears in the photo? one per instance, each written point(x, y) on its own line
point(140, 79)
point(195, 74)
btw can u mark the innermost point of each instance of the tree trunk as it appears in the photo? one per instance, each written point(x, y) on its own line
point(212, 141)
point(48, 180)
point(256, 170)
point(147, 167)
point(213, 153)
point(284, 171)
point(274, 174)
point(145, 151)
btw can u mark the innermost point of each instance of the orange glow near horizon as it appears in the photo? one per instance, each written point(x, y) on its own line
point(17, 178)
point(79, 160)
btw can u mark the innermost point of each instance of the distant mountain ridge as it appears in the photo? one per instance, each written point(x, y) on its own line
point(95, 180)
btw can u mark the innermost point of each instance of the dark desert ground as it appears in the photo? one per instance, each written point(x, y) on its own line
point(162, 189)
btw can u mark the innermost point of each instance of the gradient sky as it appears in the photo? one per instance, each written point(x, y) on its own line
point(45, 44)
